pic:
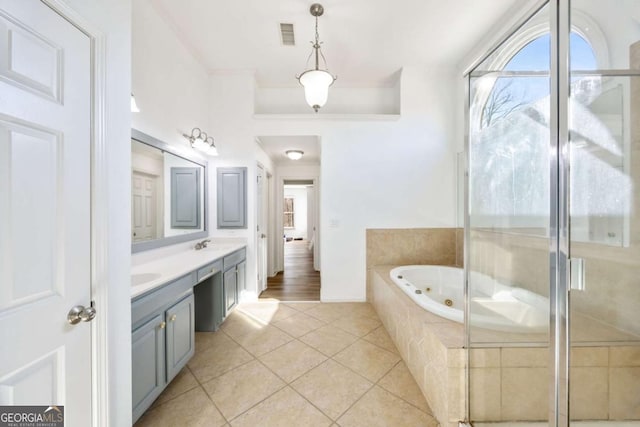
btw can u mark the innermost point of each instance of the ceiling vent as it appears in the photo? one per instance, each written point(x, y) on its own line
point(286, 34)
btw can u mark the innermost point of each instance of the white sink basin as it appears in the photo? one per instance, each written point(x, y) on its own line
point(142, 278)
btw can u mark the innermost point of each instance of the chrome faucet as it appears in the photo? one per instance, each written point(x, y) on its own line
point(202, 245)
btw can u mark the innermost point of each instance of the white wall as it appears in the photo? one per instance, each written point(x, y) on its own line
point(113, 20)
point(170, 85)
point(299, 195)
point(171, 89)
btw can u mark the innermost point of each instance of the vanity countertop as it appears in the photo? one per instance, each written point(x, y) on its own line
point(149, 275)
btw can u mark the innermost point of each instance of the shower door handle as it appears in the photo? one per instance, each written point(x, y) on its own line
point(577, 277)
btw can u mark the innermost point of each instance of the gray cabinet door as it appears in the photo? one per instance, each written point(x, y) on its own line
point(147, 345)
point(232, 197)
point(230, 289)
point(180, 335)
point(185, 197)
point(242, 274)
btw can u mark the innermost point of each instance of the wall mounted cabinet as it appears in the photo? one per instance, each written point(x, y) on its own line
point(232, 197)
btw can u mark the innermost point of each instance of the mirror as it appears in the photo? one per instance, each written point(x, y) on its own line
point(168, 194)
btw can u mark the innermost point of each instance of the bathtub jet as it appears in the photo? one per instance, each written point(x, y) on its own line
point(492, 304)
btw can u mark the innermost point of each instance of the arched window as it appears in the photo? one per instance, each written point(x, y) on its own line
point(512, 92)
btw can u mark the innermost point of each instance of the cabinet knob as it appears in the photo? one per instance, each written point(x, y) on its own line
point(162, 325)
point(173, 318)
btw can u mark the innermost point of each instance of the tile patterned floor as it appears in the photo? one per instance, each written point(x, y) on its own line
point(294, 364)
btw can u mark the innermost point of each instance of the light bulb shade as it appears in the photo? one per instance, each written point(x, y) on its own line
point(294, 154)
point(316, 87)
point(199, 144)
point(212, 150)
point(134, 106)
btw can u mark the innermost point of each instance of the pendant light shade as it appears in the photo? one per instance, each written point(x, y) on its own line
point(316, 87)
point(316, 81)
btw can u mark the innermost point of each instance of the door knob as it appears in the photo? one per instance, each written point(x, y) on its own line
point(264, 236)
point(80, 313)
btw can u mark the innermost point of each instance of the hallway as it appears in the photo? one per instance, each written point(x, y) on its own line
point(299, 281)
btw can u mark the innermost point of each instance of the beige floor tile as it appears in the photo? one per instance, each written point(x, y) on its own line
point(285, 408)
point(381, 338)
point(214, 360)
point(327, 312)
point(357, 325)
point(264, 340)
point(363, 309)
point(302, 306)
point(379, 408)
point(368, 360)
point(240, 389)
point(193, 408)
point(400, 382)
point(331, 387)
point(182, 383)
point(267, 312)
point(238, 324)
point(299, 324)
point(292, 360)
point(207, 340)
point(328, 339)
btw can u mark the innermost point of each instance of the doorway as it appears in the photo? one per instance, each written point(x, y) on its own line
point(299, 276)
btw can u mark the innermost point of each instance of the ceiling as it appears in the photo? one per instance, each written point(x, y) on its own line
point(365, 42)
point(275, 147)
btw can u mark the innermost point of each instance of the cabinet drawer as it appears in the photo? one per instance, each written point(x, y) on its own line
point(234, 258)
point(159, 299)
point(209, 270)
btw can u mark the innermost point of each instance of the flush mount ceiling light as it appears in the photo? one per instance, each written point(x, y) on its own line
point(134, 106)
point(202, 142)
point(316, 81)
point(294, 154)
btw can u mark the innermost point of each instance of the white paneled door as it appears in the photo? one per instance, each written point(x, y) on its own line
point(261, 220)
point(45, 178)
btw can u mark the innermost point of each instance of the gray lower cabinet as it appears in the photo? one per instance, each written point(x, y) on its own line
point(180, 336)
point(242, 276)
point(161, 345)
point(147, 345)
point(234, 278)
point(230, 289)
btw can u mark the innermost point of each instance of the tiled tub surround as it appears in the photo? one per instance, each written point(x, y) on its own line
point(508, 383)
point(431, 347)
point(409, 246)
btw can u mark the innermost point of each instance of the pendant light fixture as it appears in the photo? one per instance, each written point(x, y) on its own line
point(316, 81)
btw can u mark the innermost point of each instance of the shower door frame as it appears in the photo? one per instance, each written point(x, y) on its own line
point(559, 233)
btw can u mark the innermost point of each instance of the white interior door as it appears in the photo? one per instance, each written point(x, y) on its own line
point(261, 229)
point(45, 178)
point(143, 200)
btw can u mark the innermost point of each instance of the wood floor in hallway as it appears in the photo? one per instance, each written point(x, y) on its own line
point(299, 281)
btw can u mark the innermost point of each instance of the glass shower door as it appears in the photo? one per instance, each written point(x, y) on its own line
point(507, 229)
point(604, 213)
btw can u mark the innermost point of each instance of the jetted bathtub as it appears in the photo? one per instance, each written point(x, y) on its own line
point(493, 305)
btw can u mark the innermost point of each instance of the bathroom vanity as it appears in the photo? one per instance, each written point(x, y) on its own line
point(171, 298)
